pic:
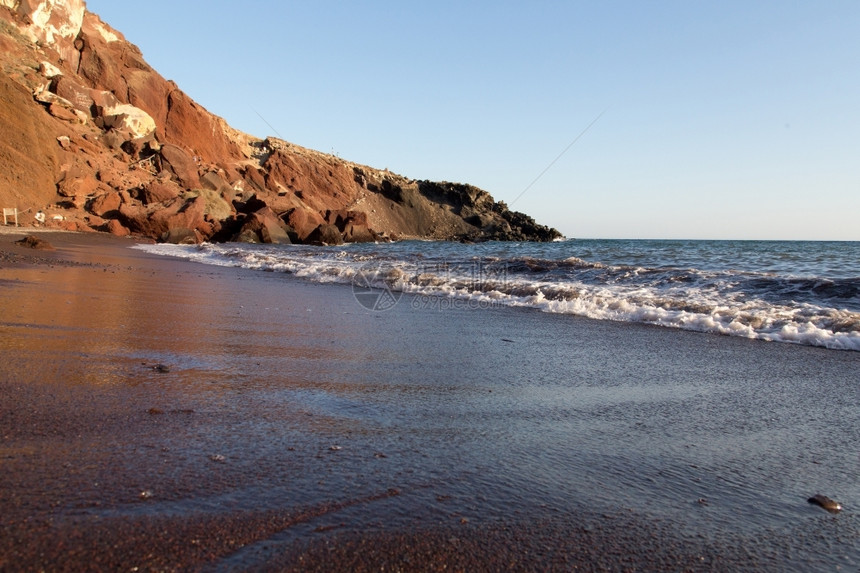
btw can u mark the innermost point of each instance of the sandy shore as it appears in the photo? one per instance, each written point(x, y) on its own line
point(291, 429)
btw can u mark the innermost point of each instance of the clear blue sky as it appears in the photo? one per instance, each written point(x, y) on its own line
point(737, 119)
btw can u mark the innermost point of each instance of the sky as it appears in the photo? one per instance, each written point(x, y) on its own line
point(614, 119)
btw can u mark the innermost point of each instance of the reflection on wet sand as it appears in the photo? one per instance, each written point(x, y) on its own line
point(294, 427)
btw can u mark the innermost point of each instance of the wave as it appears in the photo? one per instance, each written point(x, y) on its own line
point(757, 305)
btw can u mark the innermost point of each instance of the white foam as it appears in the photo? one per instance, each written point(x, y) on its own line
point(702, 305)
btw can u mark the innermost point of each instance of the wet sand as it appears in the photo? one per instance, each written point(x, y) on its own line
point(292, 429)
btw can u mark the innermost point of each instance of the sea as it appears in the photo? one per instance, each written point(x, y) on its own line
point(800, 292)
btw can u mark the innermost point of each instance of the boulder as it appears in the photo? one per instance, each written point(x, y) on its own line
point(34, 242)
point(114, 139)
point(65, 113)
point(49, 70)
point(254, 178)
point(247, 236)
point(106, 205)
point(325, 234)
point(115, 228)
point(78, 186)
point(267, 227)
point(304, 222)
point(114, 177)
point(102, 100)
point(140, 147)
point(211, 180)
point(215, 207)
point(129, 119)
point(111, 114)
point(59, 107)
point(191, 215)
point(136, 218)
point(87, 142)
point(181, 165)
point(94, 222)
point(353, 225)
point(226, 171)
point(341, 218)
point(353, 233)
point(74, 92)
point(182, 236)
point(160, 191)
point(156, 220)
point(251, 205)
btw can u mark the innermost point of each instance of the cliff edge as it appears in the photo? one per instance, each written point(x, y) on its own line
point(92, 138)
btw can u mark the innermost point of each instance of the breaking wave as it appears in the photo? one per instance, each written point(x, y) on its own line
point(764, 301)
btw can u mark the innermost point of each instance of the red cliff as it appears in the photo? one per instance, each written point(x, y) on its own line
point(95, 139)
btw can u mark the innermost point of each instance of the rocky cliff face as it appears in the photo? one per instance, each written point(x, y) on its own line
point(95, 139)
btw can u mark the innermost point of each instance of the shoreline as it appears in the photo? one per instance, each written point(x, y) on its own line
point(283, 436)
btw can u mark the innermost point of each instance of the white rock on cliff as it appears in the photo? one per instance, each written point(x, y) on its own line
point(53, 23)
point(136, 121)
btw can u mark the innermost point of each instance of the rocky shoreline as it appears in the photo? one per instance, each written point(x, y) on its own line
point(93, 138)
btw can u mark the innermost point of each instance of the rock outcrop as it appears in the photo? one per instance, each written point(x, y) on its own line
point(94, 138)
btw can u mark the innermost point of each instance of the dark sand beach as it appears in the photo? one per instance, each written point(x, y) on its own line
point(290, 428)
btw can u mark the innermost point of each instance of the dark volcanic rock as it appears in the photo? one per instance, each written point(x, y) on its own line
point(825, 502)
point(35, 243)
point(263, 226)
point(302, 221)
point(252, 205)
point(353, 226)
point(325, 234)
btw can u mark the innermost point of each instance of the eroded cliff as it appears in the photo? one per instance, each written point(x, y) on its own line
point(95, 139)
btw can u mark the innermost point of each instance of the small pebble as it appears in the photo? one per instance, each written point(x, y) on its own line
point(825, 502)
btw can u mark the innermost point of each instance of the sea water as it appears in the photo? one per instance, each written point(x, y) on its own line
point(510, 409)
point(803, 292)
